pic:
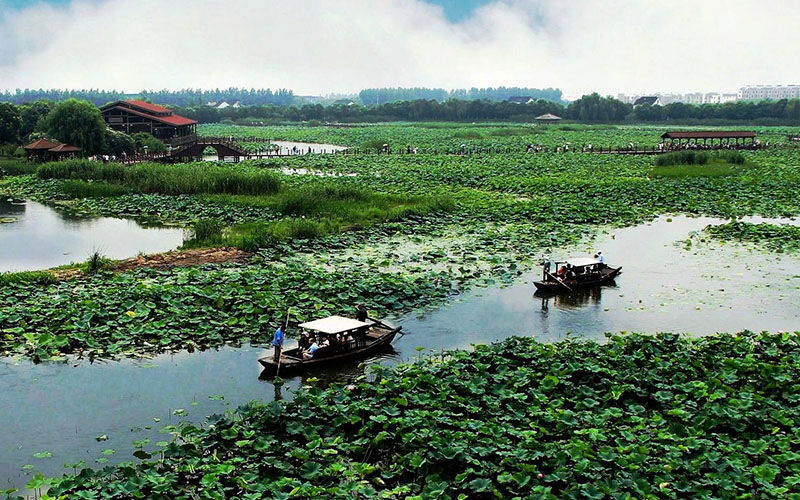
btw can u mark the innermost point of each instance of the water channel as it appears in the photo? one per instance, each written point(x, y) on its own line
point(289, 148)
point(35, 236)
point(666, 285)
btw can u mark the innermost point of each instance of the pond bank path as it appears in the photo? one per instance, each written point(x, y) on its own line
point(166, 260)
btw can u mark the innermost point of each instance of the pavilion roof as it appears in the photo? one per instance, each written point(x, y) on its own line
point(40, 144)
point(64, 148)
point(548, 116)
point(151, 111)
point(709, 134)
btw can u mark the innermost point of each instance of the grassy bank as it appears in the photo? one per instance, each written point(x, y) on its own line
point(638, 417)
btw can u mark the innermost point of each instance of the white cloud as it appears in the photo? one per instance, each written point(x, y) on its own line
point(319, 46)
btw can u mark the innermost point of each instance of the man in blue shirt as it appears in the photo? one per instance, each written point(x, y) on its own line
point(277, 342)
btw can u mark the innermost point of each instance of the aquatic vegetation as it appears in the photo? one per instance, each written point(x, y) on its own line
point(147, 311)
point(16, 166)
point(470, 220)
point(778, 238)
point(640, 416)
point(437, 136)
point(699, 157)
point(208, 230)
point(191, 178)
point(32, 277)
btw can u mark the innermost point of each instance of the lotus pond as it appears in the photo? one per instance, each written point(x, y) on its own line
point(717, 287)
point(452, 278)
point(637, 417)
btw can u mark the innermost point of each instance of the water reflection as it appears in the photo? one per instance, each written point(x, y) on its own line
point(10, 208)
point(40, 237)
point(342, 372)
point(572, 300)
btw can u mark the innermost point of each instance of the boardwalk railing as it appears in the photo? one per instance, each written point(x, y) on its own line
point(183, 140)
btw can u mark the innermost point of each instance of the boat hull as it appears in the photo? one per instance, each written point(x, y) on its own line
point(607, 276)
point(291, 362)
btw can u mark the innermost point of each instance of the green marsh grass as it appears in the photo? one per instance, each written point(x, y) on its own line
point(709, 170)
point(16, 166)
point(27, 277)
point(88, 189)
point(698, 164)
point(468, 134)
point(515, 131)
point(313, 212)
point(192, 178)
point(208, 230)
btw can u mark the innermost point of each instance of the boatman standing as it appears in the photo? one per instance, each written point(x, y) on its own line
point(361, 313)
point(277, 342)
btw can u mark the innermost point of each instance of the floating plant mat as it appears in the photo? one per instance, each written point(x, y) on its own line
point(639, 416)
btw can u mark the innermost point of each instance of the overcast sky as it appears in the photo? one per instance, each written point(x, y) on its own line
point(327, 46)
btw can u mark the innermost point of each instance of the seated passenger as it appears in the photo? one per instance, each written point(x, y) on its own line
point(303, 341)
point(311, 350)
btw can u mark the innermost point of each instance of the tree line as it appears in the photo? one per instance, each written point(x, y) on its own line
point(591, 108)
point(80, 123)
point(280, 97)
point(370, 97)
point(184, 97)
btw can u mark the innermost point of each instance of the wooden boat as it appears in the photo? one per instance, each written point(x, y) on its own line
point(363, 338)
point(576, 273)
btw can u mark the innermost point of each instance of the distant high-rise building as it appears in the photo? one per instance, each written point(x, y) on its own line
point(774, 92)
point(693, 98)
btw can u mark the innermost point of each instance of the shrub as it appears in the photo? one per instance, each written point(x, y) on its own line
point(96, 262)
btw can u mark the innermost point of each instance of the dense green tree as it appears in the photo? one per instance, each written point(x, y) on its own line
point(593, 108)
point(792, 110)
point(10, 123)
point(144, 140)
point(78, 123)
point(34, 116)
point(116, 143)
point(184, 97)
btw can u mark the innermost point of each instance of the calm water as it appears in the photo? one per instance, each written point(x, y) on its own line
point(664, 287)
point(36, 236)
point(287, 147)
point(295, 148)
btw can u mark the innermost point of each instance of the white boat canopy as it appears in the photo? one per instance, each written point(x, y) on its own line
point(580, 262)
point(334, 324)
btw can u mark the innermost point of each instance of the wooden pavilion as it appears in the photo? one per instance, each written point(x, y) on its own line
point(723, 137)
point(547, 119)
point(46, 150)
point(64, 151)
point(134, 116)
